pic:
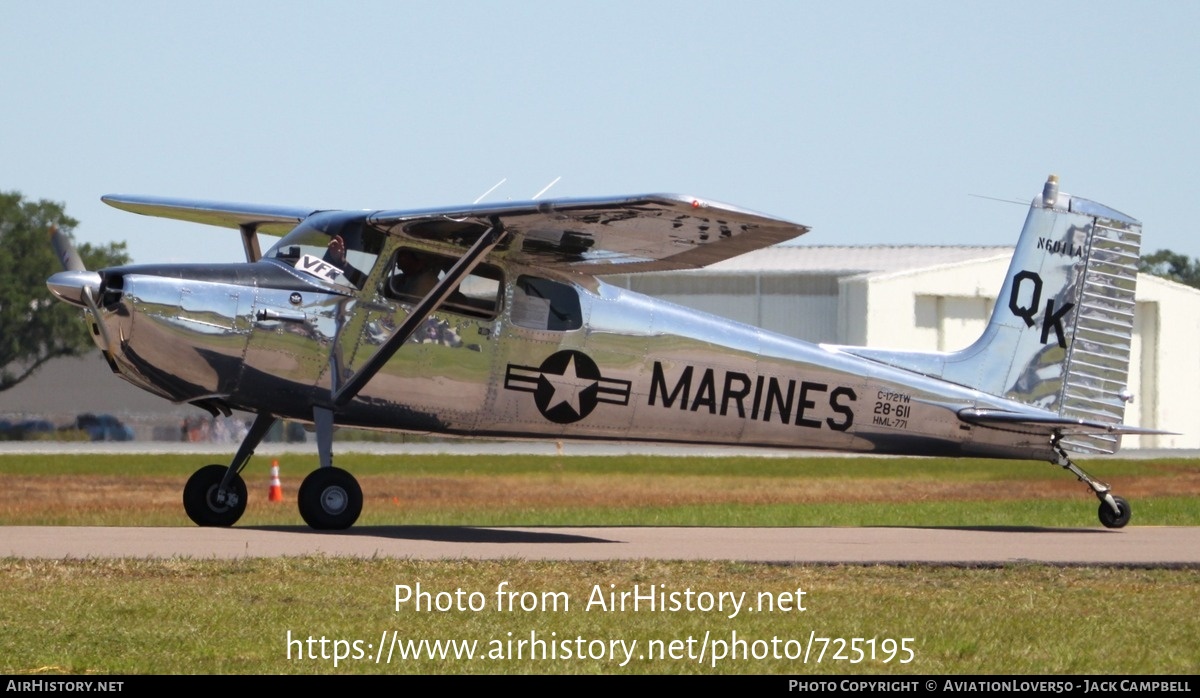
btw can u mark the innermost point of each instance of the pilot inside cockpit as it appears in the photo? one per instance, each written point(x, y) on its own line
point(340, 239)
point(335, 254)
point(349, 241)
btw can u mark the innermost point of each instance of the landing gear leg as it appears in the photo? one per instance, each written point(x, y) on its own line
point(1114, 511)
point(329, 498)
point(215, 495)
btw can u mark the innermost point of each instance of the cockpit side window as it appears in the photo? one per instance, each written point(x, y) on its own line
point(412, 273)
point(542, 304)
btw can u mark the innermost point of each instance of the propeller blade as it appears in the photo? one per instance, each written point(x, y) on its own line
point(65, 250)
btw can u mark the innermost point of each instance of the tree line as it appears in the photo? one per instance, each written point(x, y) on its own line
point(34, 326)
point(1173, 266)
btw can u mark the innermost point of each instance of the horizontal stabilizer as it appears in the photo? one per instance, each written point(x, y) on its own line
point(1052, 423)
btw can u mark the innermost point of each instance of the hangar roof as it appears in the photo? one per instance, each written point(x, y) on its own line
point(844, 260)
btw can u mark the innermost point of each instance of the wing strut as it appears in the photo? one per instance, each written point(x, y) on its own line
point(250, 241)
point(345, 392)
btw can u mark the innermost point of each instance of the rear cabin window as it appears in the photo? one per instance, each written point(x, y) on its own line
point(542, 304)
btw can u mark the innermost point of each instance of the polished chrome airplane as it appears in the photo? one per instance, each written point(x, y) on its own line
point(493, 321)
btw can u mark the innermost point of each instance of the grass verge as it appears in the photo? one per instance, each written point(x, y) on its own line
point(304, 615)
point(296, 615)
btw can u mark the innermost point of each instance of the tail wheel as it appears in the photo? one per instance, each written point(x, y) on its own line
point(330, 499)
point(203, 502)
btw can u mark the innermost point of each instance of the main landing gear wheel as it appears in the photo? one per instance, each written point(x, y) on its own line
point(330, 499)
point(1112, 519)
point(201, 501)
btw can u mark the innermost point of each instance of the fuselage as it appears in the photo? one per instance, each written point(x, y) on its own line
point(563, 358)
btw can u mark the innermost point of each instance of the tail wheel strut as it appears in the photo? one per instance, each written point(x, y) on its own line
point(1114, 511)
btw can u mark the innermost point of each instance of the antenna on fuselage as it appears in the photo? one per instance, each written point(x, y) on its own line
point(546, 188)
point(1003, 201)
point(489, 191)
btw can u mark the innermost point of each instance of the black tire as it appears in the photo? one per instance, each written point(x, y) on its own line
point(1114, 520)
point(330, 499)
point(200, 497)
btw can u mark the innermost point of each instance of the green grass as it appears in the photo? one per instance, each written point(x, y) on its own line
point(193, 616)
point(628, 490)
point(965, 469)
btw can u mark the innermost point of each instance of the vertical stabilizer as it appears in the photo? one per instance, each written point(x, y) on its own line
point(1061, 331)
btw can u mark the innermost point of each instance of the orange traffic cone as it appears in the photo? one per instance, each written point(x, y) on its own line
point(276, 493)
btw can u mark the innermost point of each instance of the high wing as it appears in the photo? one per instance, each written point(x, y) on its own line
point(270, 220)
point(650, 232)
point(249, 219)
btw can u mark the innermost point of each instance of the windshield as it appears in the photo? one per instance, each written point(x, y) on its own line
point(336, 247)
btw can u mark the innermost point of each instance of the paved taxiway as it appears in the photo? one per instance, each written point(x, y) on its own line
point(1136, 546)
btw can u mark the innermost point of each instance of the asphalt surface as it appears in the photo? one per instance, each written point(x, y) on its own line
point(1133, 546)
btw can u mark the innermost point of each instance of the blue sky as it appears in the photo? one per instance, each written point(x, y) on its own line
point(872, 122)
